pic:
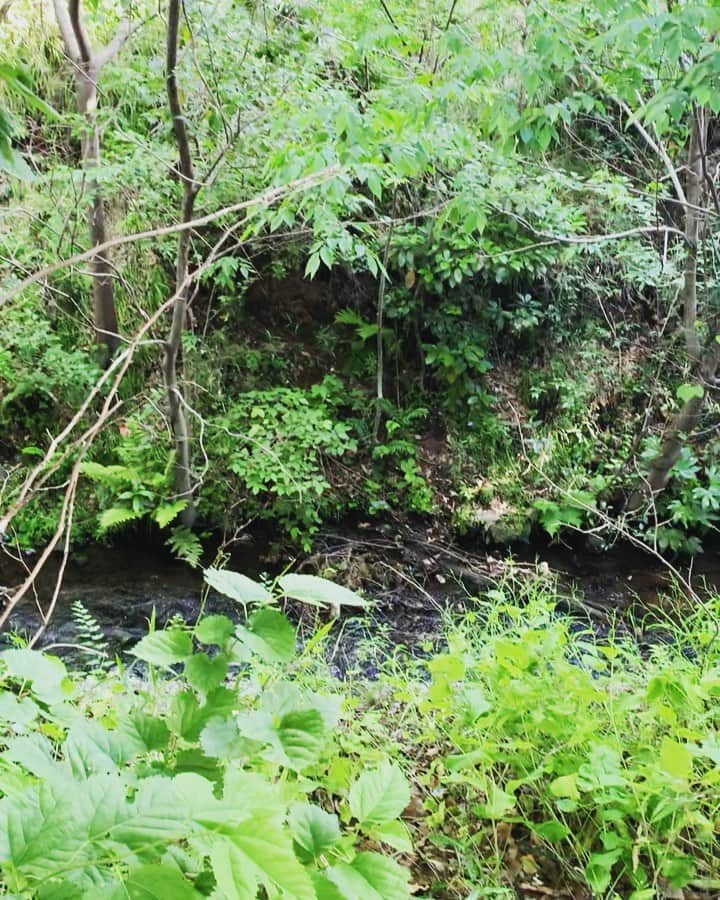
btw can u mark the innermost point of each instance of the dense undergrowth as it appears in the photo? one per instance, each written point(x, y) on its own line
point(525, 755)
point(493, 189)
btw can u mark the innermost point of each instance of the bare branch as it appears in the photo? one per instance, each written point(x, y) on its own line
point(266, 199)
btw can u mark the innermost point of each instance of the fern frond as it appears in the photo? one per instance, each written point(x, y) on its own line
point(93, 643)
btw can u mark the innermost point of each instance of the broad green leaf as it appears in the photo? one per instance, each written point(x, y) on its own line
point(158, 882)
point(265, 851)
point(206, 673)
point(46, 674)
point(151, 731)
point(317, 591)
point(379, 795)
point(371, 876)
point(92, 749)
point(164, 648)
point(675, 759)
point(395, 834)
point(235, 879)
point(552, 830)
point(565, 786)
point(314, 829)
point(301, 735)
point(270, 635)
point(238, 587)
point(214, 630)
point(686, 392)
point(188, 716)
point(19, 714)
point(498, 804)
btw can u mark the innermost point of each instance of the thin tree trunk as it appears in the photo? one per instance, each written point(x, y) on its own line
point(104, 311)
point(173, 345)
point(686, 419)
point(692, 230)
point(88, 64)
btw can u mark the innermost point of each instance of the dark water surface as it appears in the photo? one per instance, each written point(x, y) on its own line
point(123, 586)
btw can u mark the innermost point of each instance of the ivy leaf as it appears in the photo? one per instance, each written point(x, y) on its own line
point(164, 648)
point(379, 795)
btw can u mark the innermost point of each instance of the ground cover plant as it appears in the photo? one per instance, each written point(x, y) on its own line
point(524, 755)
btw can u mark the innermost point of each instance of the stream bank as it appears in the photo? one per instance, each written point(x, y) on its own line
point(411, 575)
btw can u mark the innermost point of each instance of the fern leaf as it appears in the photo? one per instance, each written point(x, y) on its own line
point(117, 515)
point(164, 514)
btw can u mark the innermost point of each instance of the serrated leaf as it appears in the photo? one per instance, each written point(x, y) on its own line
point(164, 648)
point(214, 630)
point(165, 514)
point(270, 635)
point(205, 673)
point(371, 876)
point(317, 591)
point(379, 795)
point(313, 829)
point(117, 515)
point(238, 587)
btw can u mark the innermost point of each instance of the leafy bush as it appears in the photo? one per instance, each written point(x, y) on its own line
point(276, 443)
point(217, 775)
point(237, 765)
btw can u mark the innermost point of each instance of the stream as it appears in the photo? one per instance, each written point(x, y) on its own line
point(410, 576)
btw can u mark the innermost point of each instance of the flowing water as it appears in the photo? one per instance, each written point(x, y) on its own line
point(410, 578)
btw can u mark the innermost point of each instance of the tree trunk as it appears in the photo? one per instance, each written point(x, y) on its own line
point(692, 230)
point(686, 419)
point(104, 311)
point(87, 65)
point(173, 345)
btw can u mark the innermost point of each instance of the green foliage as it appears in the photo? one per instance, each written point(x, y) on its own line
point(205, 784)
point(235, 768)
point(92, 642)
point(278, 444)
